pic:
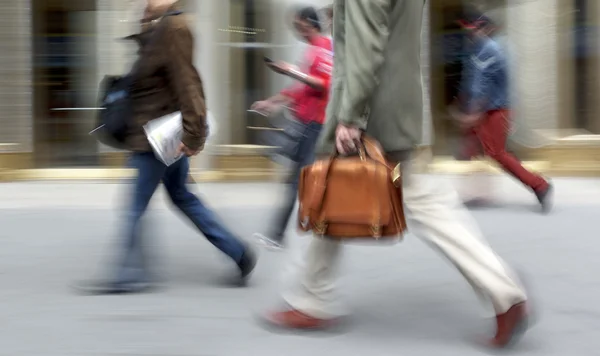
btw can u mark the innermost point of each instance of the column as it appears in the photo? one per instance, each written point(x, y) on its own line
point(532, 29)
point(593, 66)
point(16, 115)
point(212, 60)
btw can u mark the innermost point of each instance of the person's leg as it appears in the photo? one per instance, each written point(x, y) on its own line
point(316, 294)
point(493, 133)
point(201, 216)
point(306, 155)
point(131, 273)
point(309, 280)
point(278, 226)
point(149, 173)
point(311, 301)
point(435, 215)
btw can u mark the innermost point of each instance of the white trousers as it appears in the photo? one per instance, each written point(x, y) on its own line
point(435, 214)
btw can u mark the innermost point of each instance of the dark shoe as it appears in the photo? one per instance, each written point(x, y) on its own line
point(296, 320)
point(107, 287)
point(545, 198)
point(510, 326)
point(477, 203)
point(247, 264)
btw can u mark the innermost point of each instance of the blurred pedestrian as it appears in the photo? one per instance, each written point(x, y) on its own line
point(307, 98)
point(165, 81)
point(483, 110)
point(378, 90)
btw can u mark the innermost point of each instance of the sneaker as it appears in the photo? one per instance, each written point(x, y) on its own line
point(477, 203)
point(268, 243)
point(247, 265)
point(545, 198)
point(110, 287)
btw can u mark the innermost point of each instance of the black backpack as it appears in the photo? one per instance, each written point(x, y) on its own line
point(113, 122)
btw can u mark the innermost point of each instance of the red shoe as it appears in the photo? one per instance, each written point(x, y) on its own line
point(510, 326)
point(294, 319)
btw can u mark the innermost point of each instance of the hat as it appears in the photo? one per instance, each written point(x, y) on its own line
point(475, 22)
point(310, 15)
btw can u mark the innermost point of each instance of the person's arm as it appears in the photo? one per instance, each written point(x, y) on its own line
point(319, 78)
point(186, 82)
point(316, 82)
point(322, 70)
point(313, 81)
point(367, 32)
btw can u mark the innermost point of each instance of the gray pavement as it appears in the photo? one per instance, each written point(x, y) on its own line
point(405, 300)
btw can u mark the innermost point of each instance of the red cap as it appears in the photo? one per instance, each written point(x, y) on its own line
point(475, 24)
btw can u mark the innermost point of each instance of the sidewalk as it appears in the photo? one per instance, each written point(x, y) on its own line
point(404, 300)
point(105, 194)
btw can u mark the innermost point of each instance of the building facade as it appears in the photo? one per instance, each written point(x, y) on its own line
point(55, 52)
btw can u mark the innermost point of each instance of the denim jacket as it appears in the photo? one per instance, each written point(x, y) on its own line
point(484, 85)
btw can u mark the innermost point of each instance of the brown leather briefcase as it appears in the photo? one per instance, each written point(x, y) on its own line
point(352, 197)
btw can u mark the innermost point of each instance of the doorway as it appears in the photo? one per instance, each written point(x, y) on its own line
point(64, 57)
point(447, 41)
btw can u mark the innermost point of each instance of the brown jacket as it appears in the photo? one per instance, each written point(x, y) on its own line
point(165, 79)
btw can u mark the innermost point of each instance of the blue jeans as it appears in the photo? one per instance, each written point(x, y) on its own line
point(150, 173)
point(305, 155)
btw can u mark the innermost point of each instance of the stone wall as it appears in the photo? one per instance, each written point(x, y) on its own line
point(15, 77)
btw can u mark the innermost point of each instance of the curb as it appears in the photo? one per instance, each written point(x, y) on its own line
point(109, 174)
point(437, 166)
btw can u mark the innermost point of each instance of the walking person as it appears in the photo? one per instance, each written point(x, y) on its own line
point(165, 81)
point(484, 109)
point(307, 99)
point(381, 94)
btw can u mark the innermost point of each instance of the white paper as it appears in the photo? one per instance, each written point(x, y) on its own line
point(164, 135)
point(212, 127)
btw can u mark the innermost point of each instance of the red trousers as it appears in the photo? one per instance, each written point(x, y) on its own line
point(490, 135)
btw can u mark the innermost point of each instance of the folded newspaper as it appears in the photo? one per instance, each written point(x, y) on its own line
point(164, 135)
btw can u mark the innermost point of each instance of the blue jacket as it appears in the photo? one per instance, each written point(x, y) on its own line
point(485, 85)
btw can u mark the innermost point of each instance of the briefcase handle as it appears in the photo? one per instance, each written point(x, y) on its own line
point(368, 147)
point(375, 151)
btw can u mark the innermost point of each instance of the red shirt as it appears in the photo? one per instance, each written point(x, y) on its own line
point(308, 103)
